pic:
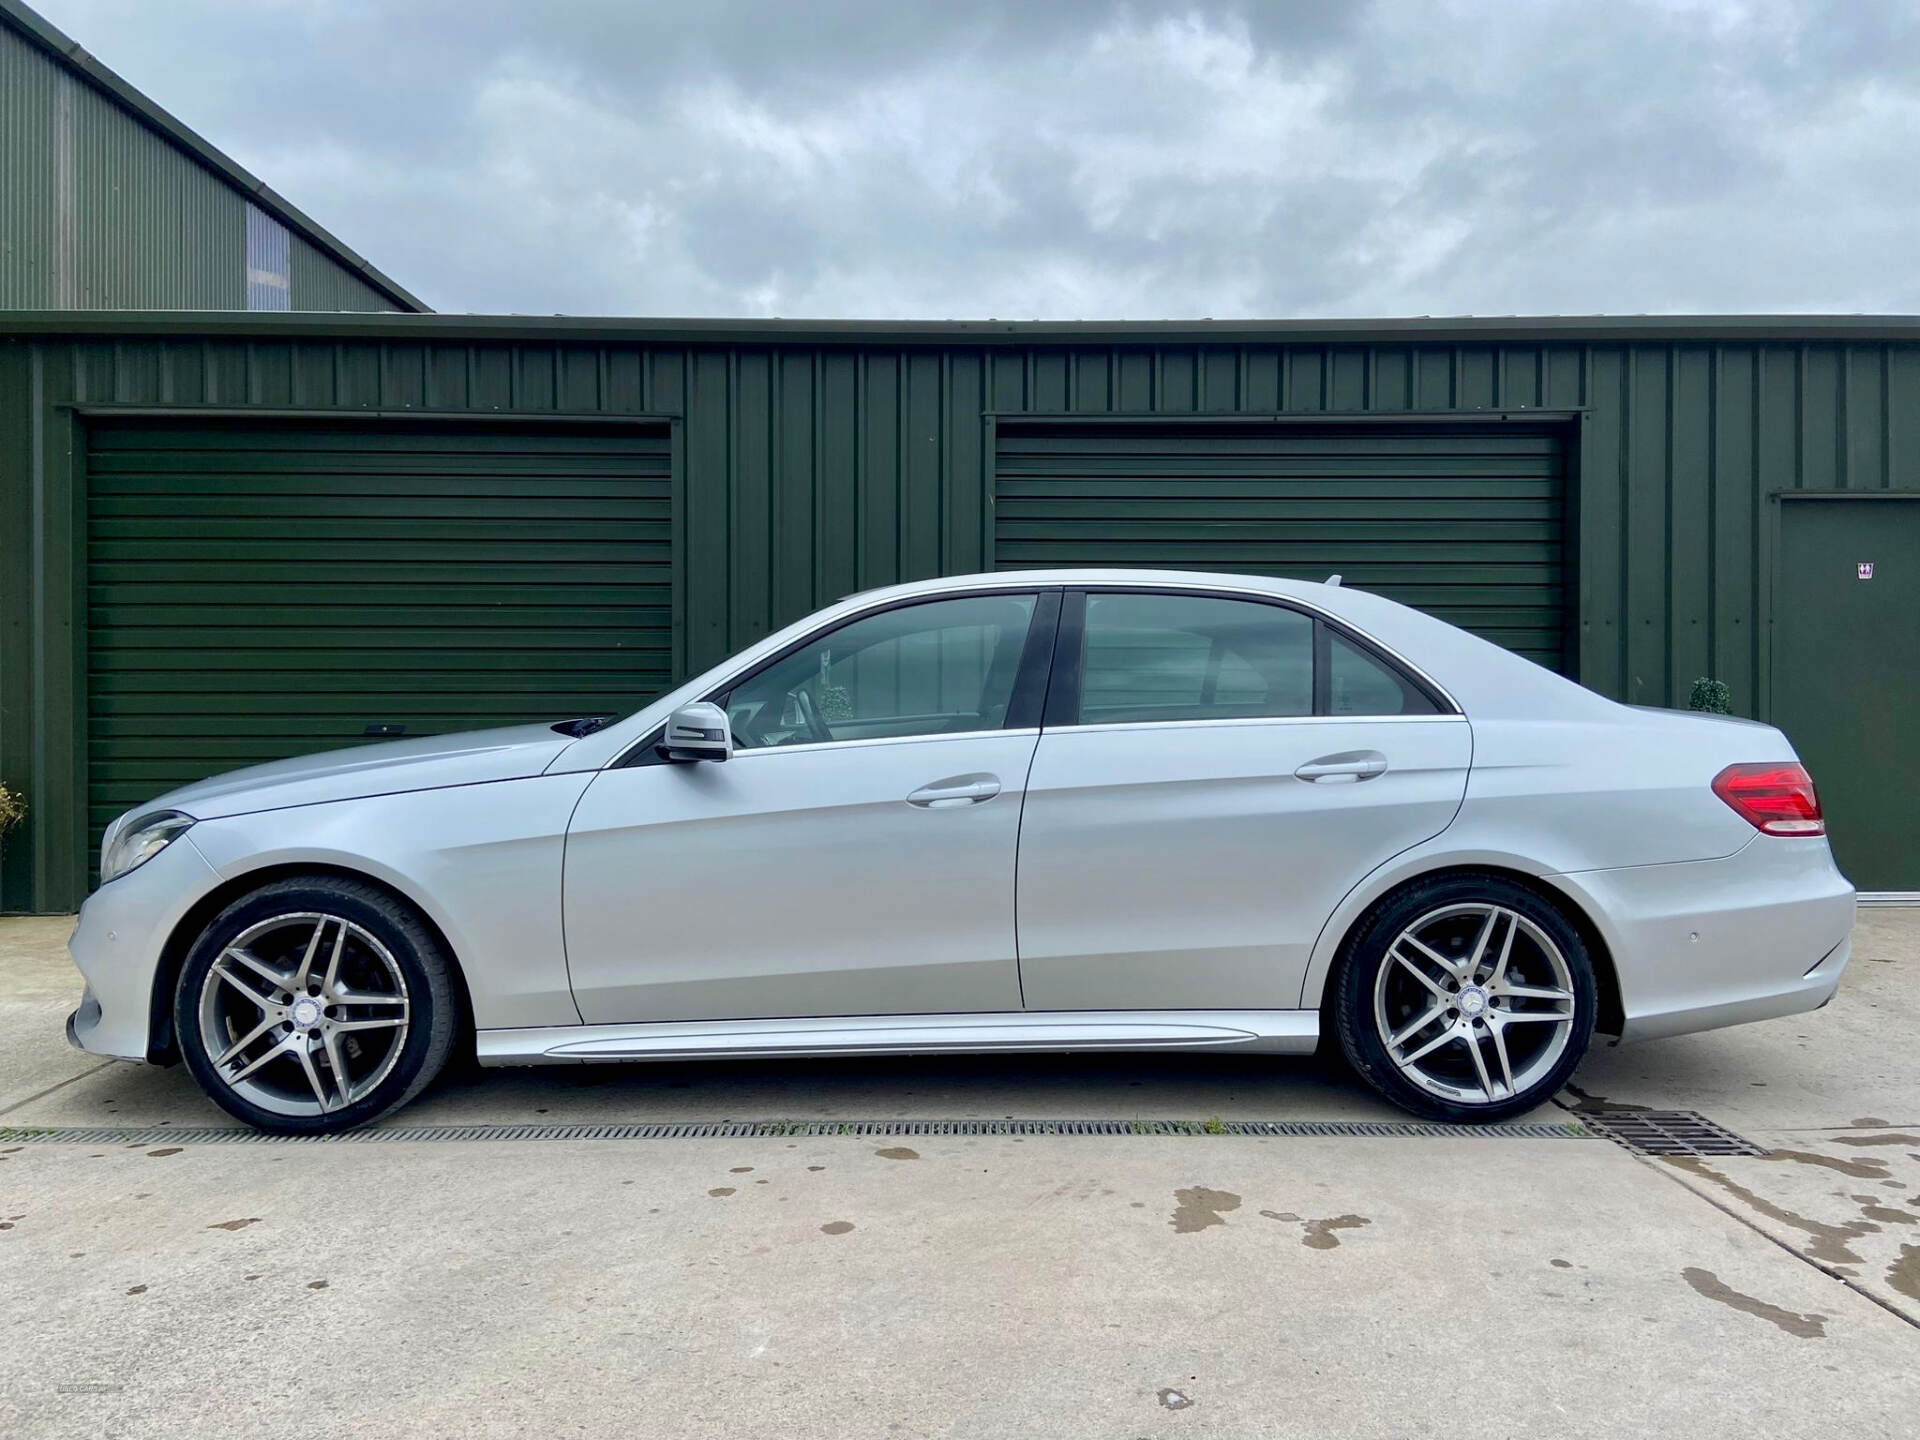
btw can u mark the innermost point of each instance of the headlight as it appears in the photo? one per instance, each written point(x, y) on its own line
point(128, 849)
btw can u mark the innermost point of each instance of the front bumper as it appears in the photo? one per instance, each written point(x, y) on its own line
point(117, 944)
point(1762, 933)
point(85, 1020)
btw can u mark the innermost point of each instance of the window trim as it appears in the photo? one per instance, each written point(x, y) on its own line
point(1023, 705)
point(1062, 710)
point(868, 742)
point(1444, 717)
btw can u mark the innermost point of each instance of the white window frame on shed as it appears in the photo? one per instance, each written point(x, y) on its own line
point(269, 262)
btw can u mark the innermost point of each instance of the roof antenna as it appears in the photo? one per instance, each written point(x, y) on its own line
point(1334, 579)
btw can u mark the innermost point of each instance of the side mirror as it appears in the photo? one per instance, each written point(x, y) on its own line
point(697, 732)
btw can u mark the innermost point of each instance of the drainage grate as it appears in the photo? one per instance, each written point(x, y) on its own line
point(801, 1129)
point(1670, 1132)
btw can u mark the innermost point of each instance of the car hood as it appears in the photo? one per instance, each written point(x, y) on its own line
point(474, 758)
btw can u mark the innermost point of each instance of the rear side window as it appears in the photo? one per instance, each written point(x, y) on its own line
point(1193, 657)
point(1150, 658)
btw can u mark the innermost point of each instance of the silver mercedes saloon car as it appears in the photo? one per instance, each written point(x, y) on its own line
point(1067, 810)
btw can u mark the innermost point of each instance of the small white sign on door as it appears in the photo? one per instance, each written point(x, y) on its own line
point(1864, 569)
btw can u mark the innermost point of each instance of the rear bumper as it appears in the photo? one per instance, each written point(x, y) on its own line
point(1763, 933)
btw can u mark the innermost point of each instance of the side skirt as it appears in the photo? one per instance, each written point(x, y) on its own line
point(1280, 1032)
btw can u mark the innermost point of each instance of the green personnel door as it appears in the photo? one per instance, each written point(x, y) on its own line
point(258, 590)
point(1466, 522)
point(1846, 674)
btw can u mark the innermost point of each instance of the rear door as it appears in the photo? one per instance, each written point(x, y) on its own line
point(1216, 772)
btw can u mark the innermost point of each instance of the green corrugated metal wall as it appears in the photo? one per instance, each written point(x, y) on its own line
point(1465, 521)
point(97, 211)
point(316, 283)
point(806, 469)
point(262, 590)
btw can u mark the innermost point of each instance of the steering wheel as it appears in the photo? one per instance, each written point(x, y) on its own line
point(810, 718)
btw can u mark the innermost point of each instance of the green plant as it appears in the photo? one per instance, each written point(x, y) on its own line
point(831, 701)
point(13, 809)
point(1215, 1126)
point(1710, 695)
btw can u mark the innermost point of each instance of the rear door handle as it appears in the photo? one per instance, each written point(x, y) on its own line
point(1346, 768)
point(955, 791)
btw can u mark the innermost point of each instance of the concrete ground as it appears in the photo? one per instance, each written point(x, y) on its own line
point(1119, 1286)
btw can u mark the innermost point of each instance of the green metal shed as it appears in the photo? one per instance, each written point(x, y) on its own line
point(225, 537)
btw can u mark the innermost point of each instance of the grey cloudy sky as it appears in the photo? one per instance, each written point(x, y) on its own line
point(1068, 160)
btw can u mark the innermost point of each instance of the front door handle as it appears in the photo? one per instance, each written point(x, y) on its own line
point(955, 791)
point(1346, 768)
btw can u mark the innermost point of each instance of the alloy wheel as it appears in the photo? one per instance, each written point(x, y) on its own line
point(1474, 1003)
point(304, 1013)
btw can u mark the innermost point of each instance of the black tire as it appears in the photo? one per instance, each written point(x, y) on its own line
point(1357, 1024)
point(432, 1009)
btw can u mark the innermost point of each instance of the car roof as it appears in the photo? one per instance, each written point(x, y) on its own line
point(1102, 575)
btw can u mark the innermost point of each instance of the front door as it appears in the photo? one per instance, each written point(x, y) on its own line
point(1845, 682)
point(1227, 772)
point(854, 857)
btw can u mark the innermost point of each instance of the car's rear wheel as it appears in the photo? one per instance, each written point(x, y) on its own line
point(314, 1005)
point(1466, 997)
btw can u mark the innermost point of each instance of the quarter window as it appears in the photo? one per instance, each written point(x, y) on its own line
point(1193, 657)
point(1358, 684)
point(938, 668)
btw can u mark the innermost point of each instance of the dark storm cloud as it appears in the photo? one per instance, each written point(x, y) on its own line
point(1072, 159)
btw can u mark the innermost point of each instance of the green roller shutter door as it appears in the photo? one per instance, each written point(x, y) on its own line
point(1463, 521)
point(257, 591)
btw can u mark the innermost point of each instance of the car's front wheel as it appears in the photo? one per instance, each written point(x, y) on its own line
point(1466, 997)
point(315, 1004)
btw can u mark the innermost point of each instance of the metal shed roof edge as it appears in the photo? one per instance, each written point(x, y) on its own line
point(1420, 330)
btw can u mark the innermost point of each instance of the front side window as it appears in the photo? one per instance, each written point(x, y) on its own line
point(1193, 657)
point(941, 667)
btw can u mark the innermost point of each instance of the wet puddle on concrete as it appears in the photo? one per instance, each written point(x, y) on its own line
point(1198, 1208)
point(1812, 1193)
point(1705, 1282)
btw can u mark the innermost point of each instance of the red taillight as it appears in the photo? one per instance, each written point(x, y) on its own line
point(1775, 799)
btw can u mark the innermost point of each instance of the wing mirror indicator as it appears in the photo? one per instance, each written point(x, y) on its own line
point(697, 732)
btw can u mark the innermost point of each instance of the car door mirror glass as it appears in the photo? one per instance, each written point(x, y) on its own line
point(697, 732)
